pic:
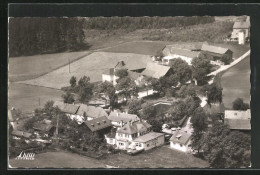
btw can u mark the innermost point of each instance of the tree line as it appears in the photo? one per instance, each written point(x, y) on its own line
point(30, 36)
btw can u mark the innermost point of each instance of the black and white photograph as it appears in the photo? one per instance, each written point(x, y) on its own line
point(129, 92)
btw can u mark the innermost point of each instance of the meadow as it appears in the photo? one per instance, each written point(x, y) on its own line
point(161, 157)
point(29, 67)
point(236, 83)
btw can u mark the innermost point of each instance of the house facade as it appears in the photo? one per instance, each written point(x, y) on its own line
point(181, 141)
point(239, 26)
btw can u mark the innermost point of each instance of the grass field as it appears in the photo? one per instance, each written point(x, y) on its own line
point(29, 67)
point(138, 47)
point(26, 97)
point(92, 65)
point(162, 157)
point(236, 83)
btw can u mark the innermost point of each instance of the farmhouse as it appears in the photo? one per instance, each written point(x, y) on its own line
point(44, 128)
point(133, 70)
point(238, 120)
point(155, 70)
point(148, 141)
point(68, 109)
point(215, 53)
point(119, 119)
point(241, 26)
point(174, 52)
point(181, 141)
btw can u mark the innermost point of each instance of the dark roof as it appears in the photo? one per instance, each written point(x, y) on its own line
point(184, 52)
point(214, 108)
point(121, 65)
point(98, 123)
point(118, 117)
point(147, 137)
point(21, 134)
point(214, 49)
point(67, 108)
point(239, 124)
point(155, 70)
point(180, 137)
point(110, 71)
point(135, 127)
point(42, 126)
point(91, 111)
point(241, 25)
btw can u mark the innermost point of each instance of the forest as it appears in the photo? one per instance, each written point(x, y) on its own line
point(31, 36)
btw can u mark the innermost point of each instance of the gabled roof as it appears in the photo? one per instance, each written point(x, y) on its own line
point(98, 123)
point(134, 127)
point(180, 137)
point(118, 117)
point(110, 71)
point(241, 25)
point(155, 70)
point(91, 111)
point(240, 120)
point(214, 49)
point(66, 107)
point(21, 134)
point(147, 137)
point(184, 52)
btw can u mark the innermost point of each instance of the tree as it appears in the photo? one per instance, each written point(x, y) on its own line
point(110, 91)
point(134, 106)
point(226, 59)
point(199, 124)
point(73, 81)
point(127, 87)
point(121, 73)
point(181, 69)
point(68, 97)
point(239, 104)
point(223, 148)
point(85, 89)
point(214, 93)
point(200, 69)
point(156, 125)
point(178, 111)
point(148, 112)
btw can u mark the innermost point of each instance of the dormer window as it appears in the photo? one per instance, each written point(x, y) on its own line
point(104, 121)
point(92, 125)
point(98, 123)
point(178, 137)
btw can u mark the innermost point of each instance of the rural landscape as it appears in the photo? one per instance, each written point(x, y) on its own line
point(129, 92)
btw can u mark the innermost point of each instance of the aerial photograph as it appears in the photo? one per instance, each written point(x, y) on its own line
point(129, 92)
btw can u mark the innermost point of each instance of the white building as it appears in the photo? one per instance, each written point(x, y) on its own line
point(181, 141)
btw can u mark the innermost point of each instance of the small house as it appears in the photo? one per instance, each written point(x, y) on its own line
point(241, 26)
point(44, 128)
point(148, 141)
point(181, 141)
point(155, 70)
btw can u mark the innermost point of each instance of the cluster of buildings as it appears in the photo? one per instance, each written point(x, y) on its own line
point(241, 31)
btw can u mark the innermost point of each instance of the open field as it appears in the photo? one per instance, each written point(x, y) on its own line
point(162, 157)
point(26, 97)
point(236, 83)
point(29, 67)
point(138, 47)
point(92, 65)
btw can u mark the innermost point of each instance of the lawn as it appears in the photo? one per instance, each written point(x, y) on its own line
point(162, 157)
point(236, 83)
point(92, 65)
point(28, 67)
point(138, 47)
point(26, 97)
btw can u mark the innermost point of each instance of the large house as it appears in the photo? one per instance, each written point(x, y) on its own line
point(238, 120)
point(119, 119)
point(135, 135)
point(215, 53)
point(172, 52)
point(181, 141)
